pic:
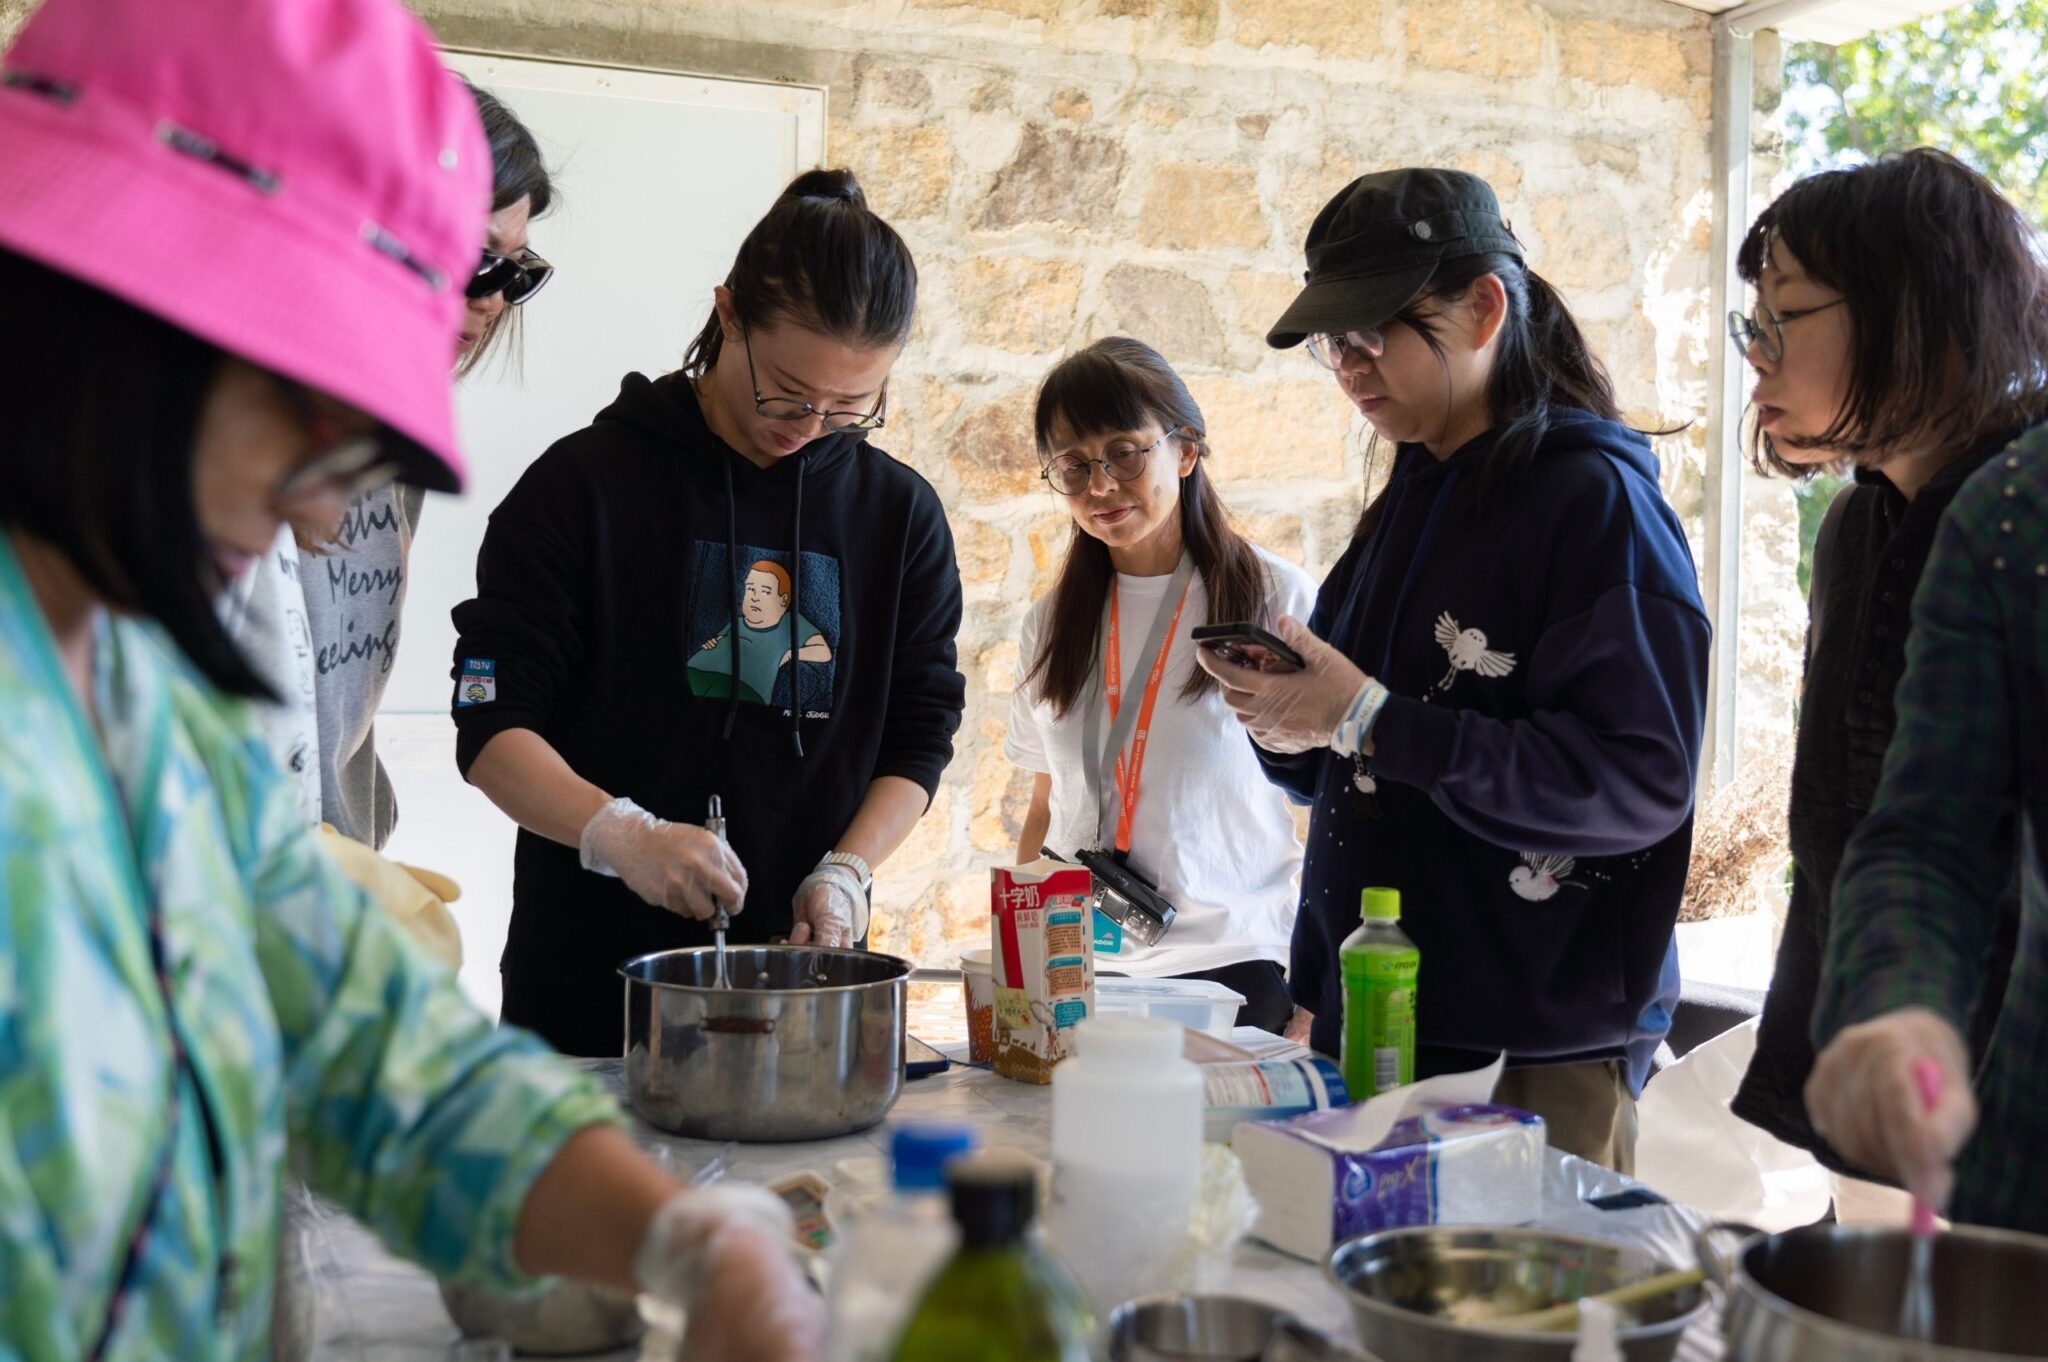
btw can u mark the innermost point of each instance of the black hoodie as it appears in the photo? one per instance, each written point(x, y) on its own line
point(640, 595)
point(1531, 790)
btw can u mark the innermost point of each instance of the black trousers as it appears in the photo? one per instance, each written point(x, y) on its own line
point(1264, 986)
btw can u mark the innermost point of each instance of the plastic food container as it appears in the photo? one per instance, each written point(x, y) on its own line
point(977, 980)
point(1198, 1004)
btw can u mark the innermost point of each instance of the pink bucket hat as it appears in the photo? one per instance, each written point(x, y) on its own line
point(300, 182)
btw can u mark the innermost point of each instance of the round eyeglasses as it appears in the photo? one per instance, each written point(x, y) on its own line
point(1766, 329)
point(789, 409)
point(1123, 460)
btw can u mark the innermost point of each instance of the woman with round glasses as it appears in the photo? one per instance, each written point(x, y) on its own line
point(1153, 556)
point(1900, 333)
point(319, 614)
point(718, 589)
point(1504, 723)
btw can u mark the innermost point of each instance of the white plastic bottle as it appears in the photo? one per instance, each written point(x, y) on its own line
point(1126, 1154)
point(891, 1252)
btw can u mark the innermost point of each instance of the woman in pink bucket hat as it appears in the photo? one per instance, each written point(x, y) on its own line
point(234, 238)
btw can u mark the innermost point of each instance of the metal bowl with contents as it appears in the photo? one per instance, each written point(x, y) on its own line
point(1426, 1291)
point(807, 1044)
point(1831, 1293)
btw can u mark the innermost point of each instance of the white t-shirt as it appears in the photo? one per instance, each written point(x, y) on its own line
point(1210, 830)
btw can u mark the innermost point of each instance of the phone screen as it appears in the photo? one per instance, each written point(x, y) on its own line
point(1244, 652)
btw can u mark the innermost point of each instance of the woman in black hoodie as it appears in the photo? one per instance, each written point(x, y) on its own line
point(1504, 724)
point(658, 621)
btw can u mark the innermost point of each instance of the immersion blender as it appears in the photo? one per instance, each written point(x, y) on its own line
point(714, 823)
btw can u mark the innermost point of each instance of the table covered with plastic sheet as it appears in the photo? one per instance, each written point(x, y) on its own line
point(371, 1307)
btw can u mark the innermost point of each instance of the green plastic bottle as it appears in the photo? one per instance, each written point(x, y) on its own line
point(1001, 1298)
point(1379, 965)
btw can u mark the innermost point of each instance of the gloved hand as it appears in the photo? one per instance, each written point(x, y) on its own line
point(725, 1254)
point(1291, 711)
point(1863, 1100)
point(676, 866)
point(831, 908)
point(417, 899)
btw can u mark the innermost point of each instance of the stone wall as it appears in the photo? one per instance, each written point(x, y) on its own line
point(1068, 170)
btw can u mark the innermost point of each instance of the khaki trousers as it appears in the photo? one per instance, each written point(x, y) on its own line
point(1586, 1108)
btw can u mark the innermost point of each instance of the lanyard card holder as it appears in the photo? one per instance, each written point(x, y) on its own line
point(1127, 898)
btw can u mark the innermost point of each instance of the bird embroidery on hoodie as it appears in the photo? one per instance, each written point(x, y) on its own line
point(1540, 877)
point(1468, 652)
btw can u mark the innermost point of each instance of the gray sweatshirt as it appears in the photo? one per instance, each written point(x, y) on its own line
point(354, 594)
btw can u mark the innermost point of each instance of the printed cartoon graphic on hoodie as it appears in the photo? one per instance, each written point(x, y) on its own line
point(769, 628)
point(1530, 791)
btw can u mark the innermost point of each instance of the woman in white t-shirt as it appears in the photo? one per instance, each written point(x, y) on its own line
point(1182, 803)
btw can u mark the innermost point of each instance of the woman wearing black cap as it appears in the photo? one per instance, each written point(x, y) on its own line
point(1505, 721)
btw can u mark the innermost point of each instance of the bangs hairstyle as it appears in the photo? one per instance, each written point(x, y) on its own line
point(1113, 386)
point(96, 455)
point(518, 171)
point(1947, 298)
point(1543, 364)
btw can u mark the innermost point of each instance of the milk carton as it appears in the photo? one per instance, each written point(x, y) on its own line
point(1043, 963)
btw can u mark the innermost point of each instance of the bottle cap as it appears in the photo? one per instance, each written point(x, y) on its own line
point(1379, 905)
point(920, 1152)
point(995, 1196)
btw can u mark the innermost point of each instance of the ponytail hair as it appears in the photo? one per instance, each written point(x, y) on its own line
point(1120, 384)
point(1543, 364)
point(823, 261)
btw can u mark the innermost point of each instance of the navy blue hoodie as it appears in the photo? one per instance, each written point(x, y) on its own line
point(646, 601)
point(1531, 788)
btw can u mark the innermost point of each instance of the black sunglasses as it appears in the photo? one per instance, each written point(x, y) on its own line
point(518, 279)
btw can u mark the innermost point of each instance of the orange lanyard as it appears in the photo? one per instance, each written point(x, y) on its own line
point(1127, 773)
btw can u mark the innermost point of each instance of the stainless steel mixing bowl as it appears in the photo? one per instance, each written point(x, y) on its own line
point(806, 1045)
point(1421, 1292)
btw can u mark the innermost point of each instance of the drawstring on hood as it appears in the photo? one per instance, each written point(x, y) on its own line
point(738, 583)
point(796, 596)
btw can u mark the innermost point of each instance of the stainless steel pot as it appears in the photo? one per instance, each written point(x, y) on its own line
point(1424, 1290)
point(1830, 1293)
point(807, 1044)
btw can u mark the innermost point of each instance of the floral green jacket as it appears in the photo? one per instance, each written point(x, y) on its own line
point(142, 1190)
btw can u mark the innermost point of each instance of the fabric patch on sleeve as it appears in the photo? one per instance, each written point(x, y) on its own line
point(478, 684)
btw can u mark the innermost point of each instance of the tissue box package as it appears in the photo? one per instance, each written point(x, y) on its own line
point(1043, 962)
point(1454, 1165)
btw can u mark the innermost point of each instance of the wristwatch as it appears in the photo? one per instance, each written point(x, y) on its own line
point(860, 868)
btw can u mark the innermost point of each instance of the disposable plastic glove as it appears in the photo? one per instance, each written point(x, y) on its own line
point(1291, 711)
point(1863, 1100)
point(417, 899)
point(725, 1254)
point(830, 908)
point(676, 866)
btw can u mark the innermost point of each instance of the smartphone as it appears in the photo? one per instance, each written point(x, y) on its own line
point(921, 1060)
point(1247, 645)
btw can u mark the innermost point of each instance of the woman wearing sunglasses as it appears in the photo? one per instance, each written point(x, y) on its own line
point(1505, 722)
point(719, 589)
point(188, 987)
point(319, 614)
point(1181, 803)
point(1898, 334)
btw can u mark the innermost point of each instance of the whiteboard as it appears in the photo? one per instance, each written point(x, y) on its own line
point(658, 177)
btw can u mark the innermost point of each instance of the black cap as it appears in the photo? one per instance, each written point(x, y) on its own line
point(1373, 248)
point(995, 1197)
